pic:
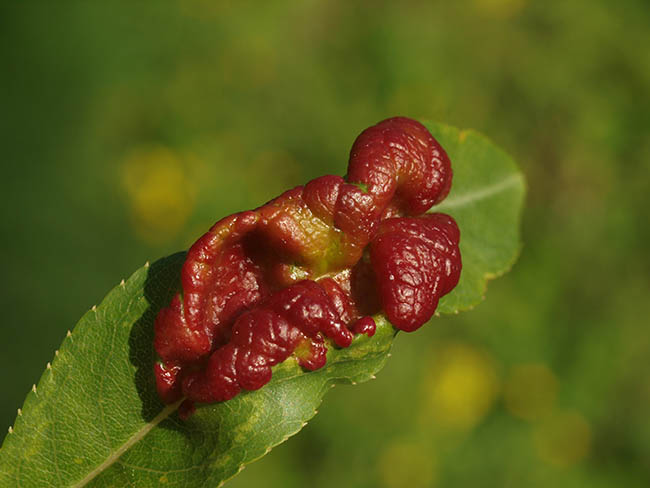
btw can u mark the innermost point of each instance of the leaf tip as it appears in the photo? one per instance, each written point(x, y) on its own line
point(146, 265)
point(373, 377)
point(56, 353)
point(34, 388)
point(122, 283)
point(94, 308)
point(48, 366)
point(11, 429)
point(68, 334)
point(20, 412)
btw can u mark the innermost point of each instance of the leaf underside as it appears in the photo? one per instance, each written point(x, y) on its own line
point(95, 419)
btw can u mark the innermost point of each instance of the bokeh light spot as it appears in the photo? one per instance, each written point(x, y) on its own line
point(530, 391)
point(563, 438)
point(461, 388)
point(158, 192)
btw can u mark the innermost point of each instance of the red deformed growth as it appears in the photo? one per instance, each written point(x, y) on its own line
point(416, 261)
point(402, 165)
point(307, 270)
point(267, 335)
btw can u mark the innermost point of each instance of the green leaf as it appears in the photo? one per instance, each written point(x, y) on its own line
point(486, 199)
point(95, 419)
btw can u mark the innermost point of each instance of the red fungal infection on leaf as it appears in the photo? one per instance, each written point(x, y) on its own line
point(306, 271)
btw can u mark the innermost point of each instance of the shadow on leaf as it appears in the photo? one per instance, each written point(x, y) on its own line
point(163, 280)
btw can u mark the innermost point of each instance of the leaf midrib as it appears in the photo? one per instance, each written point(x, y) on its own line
point(135, 438)
point(480, 194)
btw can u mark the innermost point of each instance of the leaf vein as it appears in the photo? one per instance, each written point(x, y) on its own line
point(475, 195)
point(165, 412)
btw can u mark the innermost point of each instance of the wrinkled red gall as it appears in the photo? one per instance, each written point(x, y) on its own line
point(308, 269)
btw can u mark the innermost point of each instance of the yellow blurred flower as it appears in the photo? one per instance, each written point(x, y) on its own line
point(158, 192)
point(461, 387)
point(562, 439)
point(409, 465)
point(530, 391)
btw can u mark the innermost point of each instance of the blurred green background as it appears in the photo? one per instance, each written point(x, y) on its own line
point(128, 128)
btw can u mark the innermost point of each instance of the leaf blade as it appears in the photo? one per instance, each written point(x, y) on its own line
point(95, 418)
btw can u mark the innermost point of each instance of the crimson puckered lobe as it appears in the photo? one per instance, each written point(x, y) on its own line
point(416, 261)
point(307, 270)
